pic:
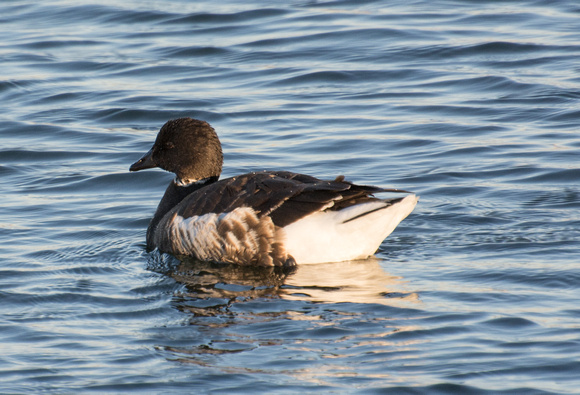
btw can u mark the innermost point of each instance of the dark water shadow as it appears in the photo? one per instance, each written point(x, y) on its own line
point(214, 280)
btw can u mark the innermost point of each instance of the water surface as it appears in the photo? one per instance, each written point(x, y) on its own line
point(472, 105)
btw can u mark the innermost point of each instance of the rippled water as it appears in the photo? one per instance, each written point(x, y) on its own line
point(472, 105)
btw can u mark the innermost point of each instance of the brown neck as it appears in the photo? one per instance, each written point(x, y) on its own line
point(174, 194)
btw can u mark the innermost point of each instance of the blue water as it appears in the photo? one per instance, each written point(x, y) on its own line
point(472, 105)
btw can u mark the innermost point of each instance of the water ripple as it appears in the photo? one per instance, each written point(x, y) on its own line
point(473, 108)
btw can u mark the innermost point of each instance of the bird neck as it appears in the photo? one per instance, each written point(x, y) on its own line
point(174, 194)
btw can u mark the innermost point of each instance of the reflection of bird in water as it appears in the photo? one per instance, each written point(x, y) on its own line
point(362, 281)
point(239, 308)
point(221, 285)
point(218, 280)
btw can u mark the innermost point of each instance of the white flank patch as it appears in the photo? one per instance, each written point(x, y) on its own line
point(326, 237)
point(198, 235)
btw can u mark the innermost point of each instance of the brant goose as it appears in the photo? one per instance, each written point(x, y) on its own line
point(267, 218)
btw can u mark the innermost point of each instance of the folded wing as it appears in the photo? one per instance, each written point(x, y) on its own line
point(285, 196)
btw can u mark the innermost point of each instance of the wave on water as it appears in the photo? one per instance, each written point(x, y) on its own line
point(472, 106)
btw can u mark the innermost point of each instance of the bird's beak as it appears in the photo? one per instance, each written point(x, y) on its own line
point(146, 162)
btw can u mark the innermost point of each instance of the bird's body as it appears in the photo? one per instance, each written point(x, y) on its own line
point(269, 218)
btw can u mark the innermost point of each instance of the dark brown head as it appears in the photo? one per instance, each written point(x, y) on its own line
point(187, 147)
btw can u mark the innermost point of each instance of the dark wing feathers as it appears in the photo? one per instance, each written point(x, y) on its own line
point(285, 196)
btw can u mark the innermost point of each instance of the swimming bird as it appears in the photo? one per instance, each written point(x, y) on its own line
point(264, 218)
